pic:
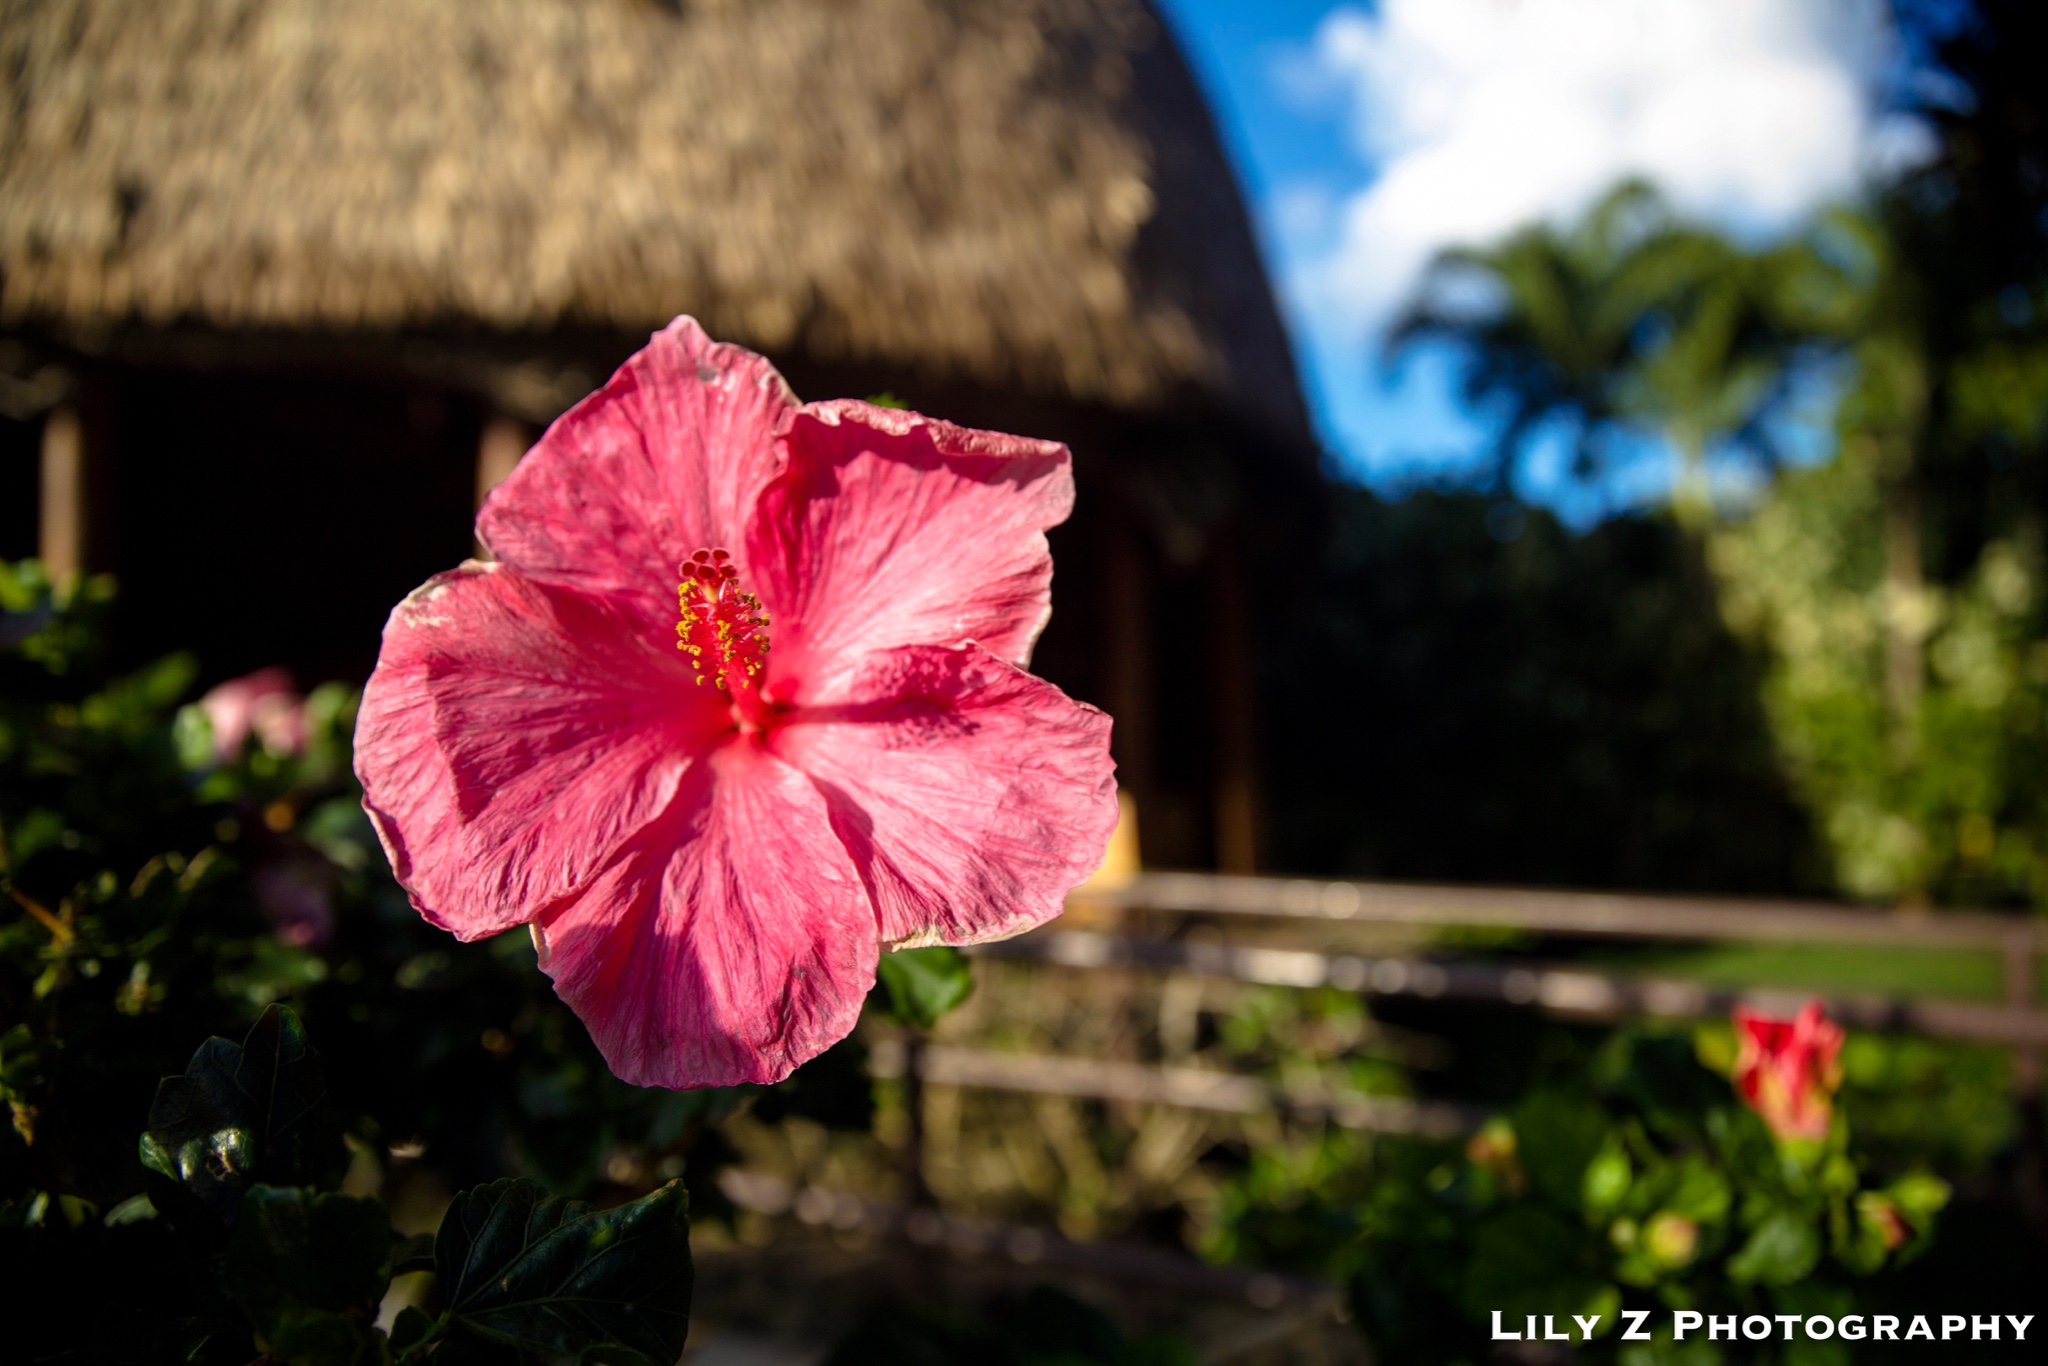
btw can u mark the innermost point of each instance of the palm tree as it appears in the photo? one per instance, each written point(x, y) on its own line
point(1629, 321)
point(1547, 320)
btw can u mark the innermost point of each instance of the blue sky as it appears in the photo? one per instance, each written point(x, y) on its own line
point(1369, 136)
point(1281, 145)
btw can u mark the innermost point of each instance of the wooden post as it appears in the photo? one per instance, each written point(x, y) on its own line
point(75, 514)
point(1234, 702)
point(498, 449)
point(2020, 969)
point(1127, 654)
point(61, 533)
point(917, 1191)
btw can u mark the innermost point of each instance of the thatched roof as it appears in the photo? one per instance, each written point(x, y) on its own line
point(1014, 192)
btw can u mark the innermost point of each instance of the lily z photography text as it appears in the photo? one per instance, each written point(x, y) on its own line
point(1635, 1327)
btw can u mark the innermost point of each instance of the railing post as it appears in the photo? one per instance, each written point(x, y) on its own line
point(917, 1192)
point(2020, 971)
point(499, 447)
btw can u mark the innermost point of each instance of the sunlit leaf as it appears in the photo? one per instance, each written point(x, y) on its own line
point(920, 985)
point(1781, 1250)
point(242, 1114)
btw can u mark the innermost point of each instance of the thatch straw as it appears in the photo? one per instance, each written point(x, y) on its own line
point(1017, 192)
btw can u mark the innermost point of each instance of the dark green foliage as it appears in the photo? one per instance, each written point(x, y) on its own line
point(553, 1277)
point(243, 1114)
point(1043, 1327)
point(309, 1268)
point(833, 1089)
point(157, 873)
point(1525, 1259)
point(1915, 1101)
point(1630, 1177)
point(154, 892)
point(917, 986)
point(1543, 707)
point(1557, 1136)
point(297, 1274)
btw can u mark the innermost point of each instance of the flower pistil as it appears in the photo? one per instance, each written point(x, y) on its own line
point(722, 629)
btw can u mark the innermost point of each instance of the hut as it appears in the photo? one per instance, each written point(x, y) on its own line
point(286, 285)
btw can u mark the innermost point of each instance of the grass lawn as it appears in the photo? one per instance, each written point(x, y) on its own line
point(1831, 969)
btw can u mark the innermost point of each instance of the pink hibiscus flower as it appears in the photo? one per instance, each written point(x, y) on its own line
point(1787, 1070)
point(713, 840)
point(263, 703)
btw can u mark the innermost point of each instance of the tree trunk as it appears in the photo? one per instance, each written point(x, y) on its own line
point(1907, 617)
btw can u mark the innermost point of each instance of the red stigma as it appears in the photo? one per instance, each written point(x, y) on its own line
point(722, 629)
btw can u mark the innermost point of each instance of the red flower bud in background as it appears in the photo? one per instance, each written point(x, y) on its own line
point(1787, 1070)
point(1884, 1217)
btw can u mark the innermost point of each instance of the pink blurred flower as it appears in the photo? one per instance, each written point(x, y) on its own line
point(263, 703)
point(297, 899)
point(1787, 1070)
point(710, 841)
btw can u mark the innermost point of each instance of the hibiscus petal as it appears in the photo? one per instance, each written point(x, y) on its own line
point(666, 459)
point(889, 529)
point(732, 941)
point(514, 737)
point(971, 795)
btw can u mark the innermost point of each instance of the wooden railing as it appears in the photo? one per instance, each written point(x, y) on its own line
point(1136, 926)
point(1568, 991)
point(1722, 919)
point(2019, 941)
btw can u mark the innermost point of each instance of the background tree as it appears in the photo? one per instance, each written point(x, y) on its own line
point(1630, 324)
point(1893, 591)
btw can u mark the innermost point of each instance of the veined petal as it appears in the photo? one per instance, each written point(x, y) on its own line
point(667, 458)
point(514, 737)
point(971, 795)
point(888, 529)
point(730, 943)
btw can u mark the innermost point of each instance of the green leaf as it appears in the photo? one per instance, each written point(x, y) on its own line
point(413, 1254)
point(192, 737)
point(244, 1114)
point(1607, 1178)
point(1782, 1249)
point(308, 1269)
point(561, 1278)
point(136, 1209)
point(1697, 1191)
point(410, 1329)
point(1526, 1260)
point(1920, 1195)
point(920, 985)
point(22, 1065)
point(1557, 1137)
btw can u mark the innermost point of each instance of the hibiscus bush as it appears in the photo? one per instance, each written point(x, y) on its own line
point(173, 874)
point(173, 870)
point(1653, 1170)
point(707, 850)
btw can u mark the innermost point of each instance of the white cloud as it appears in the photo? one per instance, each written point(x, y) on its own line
point(1482, 115)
